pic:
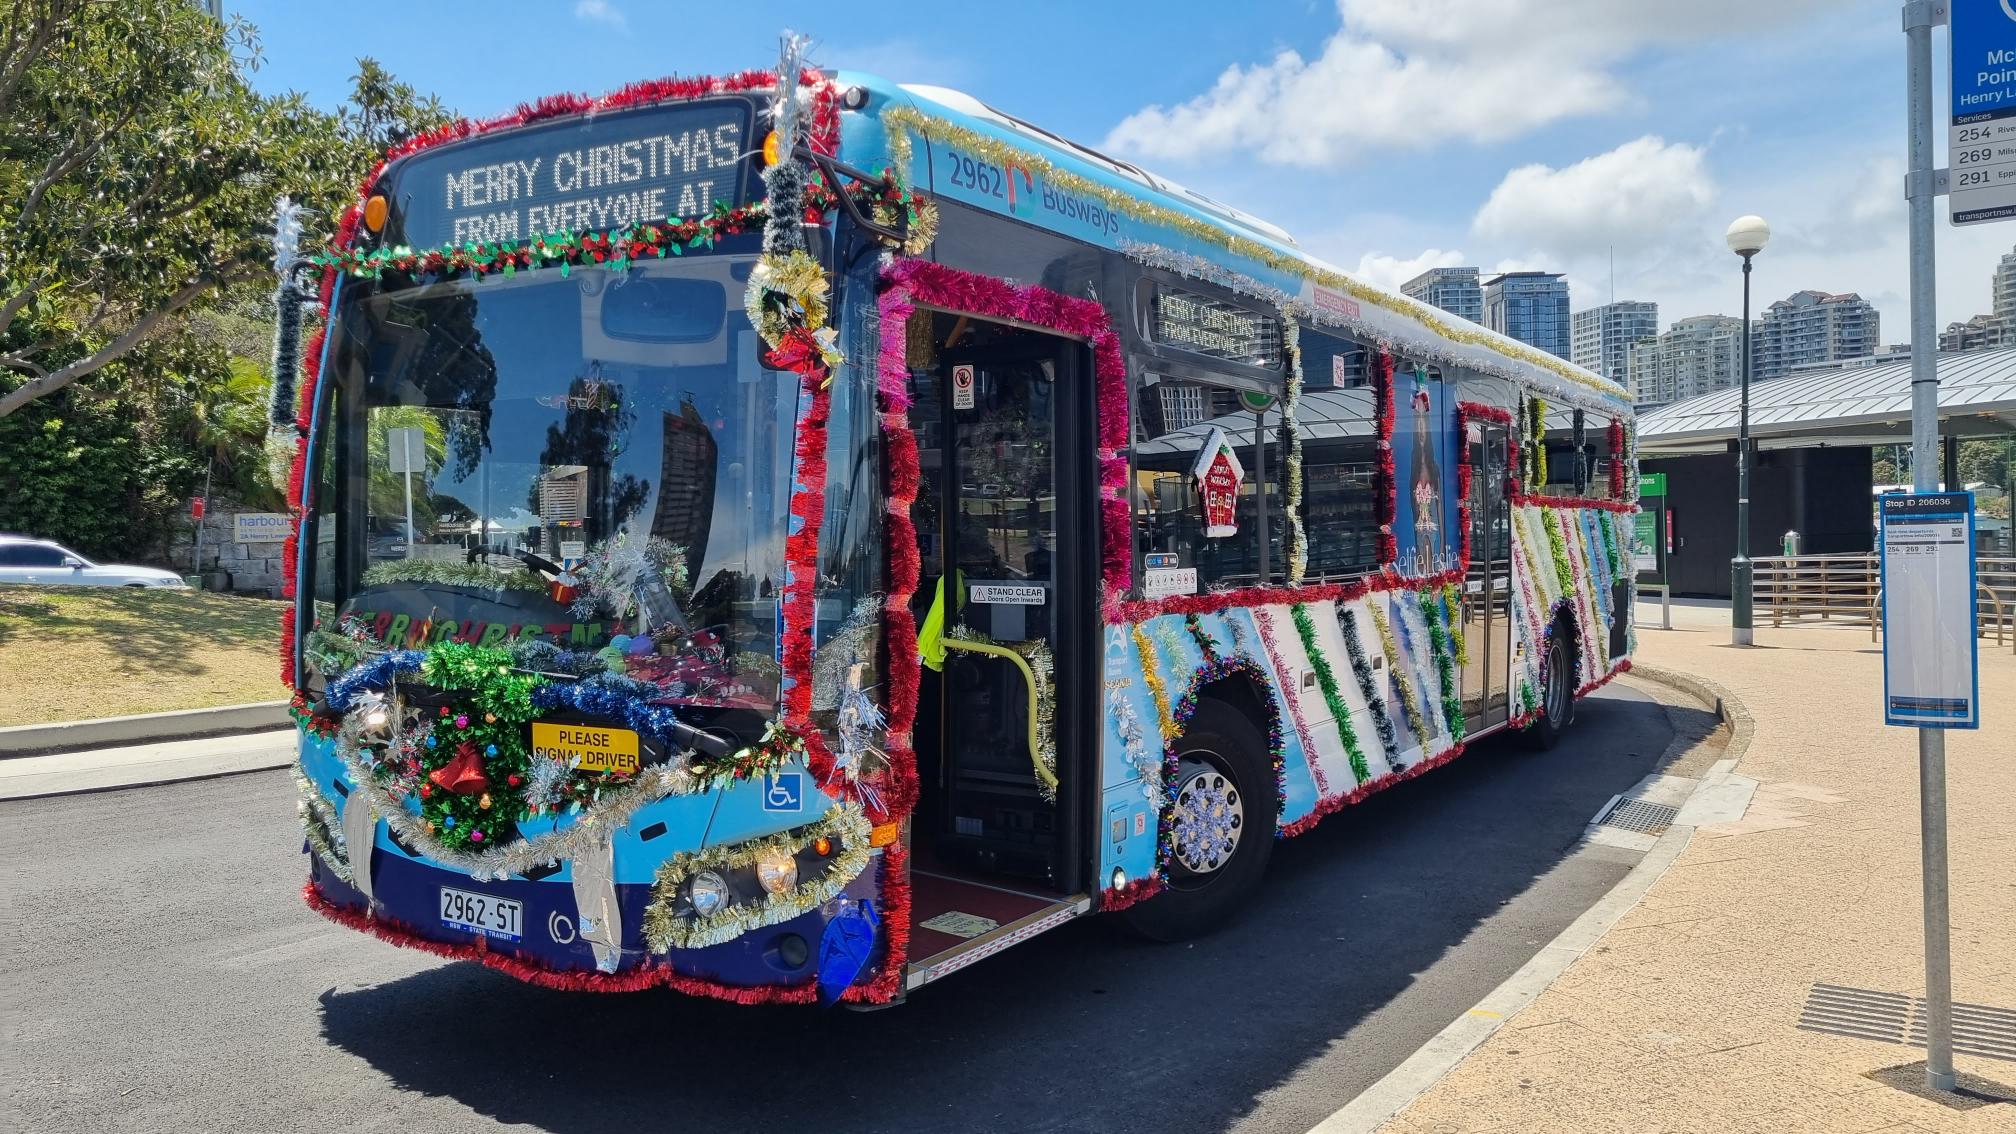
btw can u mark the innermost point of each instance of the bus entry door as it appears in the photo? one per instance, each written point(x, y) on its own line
point(1004, 542)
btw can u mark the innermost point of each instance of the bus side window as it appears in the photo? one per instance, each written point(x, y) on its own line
point(1174, 417)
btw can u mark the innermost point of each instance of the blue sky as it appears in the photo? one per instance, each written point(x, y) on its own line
point(1387, 135)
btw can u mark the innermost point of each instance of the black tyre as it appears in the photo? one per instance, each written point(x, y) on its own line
point(1557, 699)
point(1225, 812)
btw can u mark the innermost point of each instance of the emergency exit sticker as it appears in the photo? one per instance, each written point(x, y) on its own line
point(962, 386)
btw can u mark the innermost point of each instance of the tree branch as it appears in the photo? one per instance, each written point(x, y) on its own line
point(57, 379)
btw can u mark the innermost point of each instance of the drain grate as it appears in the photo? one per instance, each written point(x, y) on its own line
point(1892, 1017)
point(1639, 815)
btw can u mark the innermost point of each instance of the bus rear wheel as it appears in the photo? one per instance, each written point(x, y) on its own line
point(1222, 826)
point(1557, 699)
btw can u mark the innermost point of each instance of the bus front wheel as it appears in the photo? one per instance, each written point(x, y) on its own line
point(1222, 820)
point(1557, 699)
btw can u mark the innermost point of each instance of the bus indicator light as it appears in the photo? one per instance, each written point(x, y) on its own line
point(374, 212)
point(770, 148)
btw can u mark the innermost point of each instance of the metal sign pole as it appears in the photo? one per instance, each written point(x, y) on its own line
point(1920, 188)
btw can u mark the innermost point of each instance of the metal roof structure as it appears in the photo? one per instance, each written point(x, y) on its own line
point(1861, 406)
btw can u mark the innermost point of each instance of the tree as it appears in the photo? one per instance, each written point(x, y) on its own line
point(1987, 461)
point(137, 177)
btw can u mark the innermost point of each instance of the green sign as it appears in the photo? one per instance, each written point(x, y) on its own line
point(1652, 484)
point(1645, 540)
point(1255, 401)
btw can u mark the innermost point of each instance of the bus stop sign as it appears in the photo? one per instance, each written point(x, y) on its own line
point(1982, 136)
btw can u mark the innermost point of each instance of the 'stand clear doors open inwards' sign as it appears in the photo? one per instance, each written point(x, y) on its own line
point(1930, 670)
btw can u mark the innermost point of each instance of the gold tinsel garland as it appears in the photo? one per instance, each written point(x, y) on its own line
point(902, 121)
point(1151, 675)
point(666, 930)
point(1407, 699)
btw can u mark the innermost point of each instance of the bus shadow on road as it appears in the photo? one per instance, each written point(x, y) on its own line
point(1359, 948)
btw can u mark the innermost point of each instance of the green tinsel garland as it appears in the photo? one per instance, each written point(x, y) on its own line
point(1557, 547)
point(1453, 596)
point(437, 573)
point(1445, 660)
point(1327, 682)
point(1610, 555)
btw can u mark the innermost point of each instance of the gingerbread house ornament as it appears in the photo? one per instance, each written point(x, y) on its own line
point(1218, 475)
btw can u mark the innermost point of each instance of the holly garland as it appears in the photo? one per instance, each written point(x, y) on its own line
point(1437, 616)
point(1326, 681)
point(619, 249)
point(779, 746)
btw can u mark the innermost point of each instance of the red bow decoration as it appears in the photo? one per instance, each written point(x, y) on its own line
point(464, 774)
point(798, 352)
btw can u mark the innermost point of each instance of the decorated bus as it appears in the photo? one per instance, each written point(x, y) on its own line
point(788, 536)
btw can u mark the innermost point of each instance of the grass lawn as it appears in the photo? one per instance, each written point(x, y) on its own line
point(68, 653)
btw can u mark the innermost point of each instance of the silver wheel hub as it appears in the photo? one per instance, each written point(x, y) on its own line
point(1209, 816)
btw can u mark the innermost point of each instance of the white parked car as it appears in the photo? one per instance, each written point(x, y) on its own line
point(25, 560)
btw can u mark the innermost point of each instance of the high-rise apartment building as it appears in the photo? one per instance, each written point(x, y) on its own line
point(1998, 329)
point(1531, 307)
point(1808, 327)
point(1454, 290)
point(1696, 356)
point(1603, 336)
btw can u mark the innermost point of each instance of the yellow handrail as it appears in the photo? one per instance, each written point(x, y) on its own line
point(1044, 774)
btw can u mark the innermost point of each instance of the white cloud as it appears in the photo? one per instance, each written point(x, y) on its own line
point(1418, 73)
point(600, 12)
point(1392, 271)
point(1636, 197)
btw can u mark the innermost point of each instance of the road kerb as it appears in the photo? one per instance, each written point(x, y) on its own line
point(141, 728)
point(144, 765)
point(1374, 1107)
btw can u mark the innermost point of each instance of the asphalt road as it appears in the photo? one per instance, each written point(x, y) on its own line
point(162, 974)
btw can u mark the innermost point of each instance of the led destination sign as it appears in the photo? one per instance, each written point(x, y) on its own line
point(1208, 326)
point(577, 176)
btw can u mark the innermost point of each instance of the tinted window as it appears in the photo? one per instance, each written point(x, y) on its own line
point(30, 555)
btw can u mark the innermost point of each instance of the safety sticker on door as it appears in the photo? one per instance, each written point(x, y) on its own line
point(1006, 594)
point(962, 386)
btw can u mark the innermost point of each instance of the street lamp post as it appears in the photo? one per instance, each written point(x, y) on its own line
point(1747, 237)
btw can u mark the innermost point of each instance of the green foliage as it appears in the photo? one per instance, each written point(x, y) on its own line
point(1987, 461)
point(480, 575)
point(139, 174)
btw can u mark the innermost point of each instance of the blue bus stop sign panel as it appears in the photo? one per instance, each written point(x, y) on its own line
point(784, 791)
point(1931, 659)
point(1982, 137)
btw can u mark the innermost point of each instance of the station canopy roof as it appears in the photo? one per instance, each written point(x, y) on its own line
point(1862, 406)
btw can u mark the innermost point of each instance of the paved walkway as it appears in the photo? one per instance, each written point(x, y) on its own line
point(1682, 1017)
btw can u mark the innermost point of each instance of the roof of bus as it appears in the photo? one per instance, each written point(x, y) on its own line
point(1241, 250)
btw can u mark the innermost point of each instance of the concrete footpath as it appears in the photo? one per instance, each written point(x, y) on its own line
point(1683, 1016)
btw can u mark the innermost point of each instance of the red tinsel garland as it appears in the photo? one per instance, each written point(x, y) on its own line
point(1528, 500)
point(632, 980)
point(1617, 482)
point(1136, 890)
point(949, 288)
point(1385, 483)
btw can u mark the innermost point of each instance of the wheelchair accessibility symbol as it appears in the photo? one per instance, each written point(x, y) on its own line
point(784, 791)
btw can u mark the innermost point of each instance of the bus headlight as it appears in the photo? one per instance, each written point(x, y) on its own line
point(776, 869)
point(708, 892)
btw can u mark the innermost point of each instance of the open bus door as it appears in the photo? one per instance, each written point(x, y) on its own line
point(1007, 620)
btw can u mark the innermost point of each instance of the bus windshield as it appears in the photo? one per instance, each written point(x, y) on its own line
point(599, 459)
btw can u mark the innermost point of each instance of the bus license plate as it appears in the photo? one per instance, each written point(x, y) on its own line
point(481, 913)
